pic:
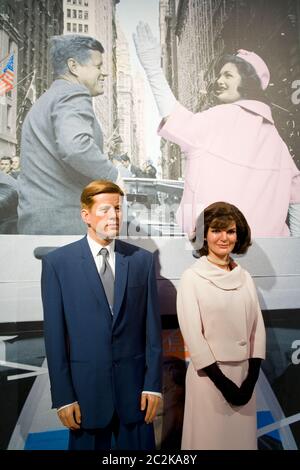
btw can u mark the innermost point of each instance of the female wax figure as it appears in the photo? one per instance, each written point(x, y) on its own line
point(222, 325)
point(233, 150)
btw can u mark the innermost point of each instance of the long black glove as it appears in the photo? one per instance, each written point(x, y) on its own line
point(247, 387)
point(229, 389)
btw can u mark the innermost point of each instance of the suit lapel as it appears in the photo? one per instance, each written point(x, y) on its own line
point(90, 270)
point(121, 270)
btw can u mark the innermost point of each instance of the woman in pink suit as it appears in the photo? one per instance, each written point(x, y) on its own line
point(221, 322)
point(233, 150)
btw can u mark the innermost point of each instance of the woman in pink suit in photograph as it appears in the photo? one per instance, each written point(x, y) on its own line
point(233, 150)
point(223, 329)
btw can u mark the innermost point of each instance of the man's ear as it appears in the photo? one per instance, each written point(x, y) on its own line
point(85, 216)
point(72, 66)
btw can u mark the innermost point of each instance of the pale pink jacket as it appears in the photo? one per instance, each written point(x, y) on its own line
point(235, 154)
point(219, 315)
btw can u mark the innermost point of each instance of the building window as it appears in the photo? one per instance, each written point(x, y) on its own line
point(9, 118)
point(68, 1)
point(80, 28)
point(86, 28)
point(68, 26)
point(86, 15)
point(74, 28)
point(69, 13)
point(74, 13)
point(79, 2)
point(74, 2)
point(10, 46)
point(80, 14)
point(86, 3)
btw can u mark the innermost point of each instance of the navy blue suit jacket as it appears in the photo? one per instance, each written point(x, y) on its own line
point(102, 361)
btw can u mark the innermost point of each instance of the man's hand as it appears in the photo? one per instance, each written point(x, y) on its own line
point(151, 402)
point(70, 416)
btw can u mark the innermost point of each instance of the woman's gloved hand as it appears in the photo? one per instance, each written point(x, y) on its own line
point(237, 396)
point(147, 49)
point(247, 387)
point(149, 54)
point(229, 389)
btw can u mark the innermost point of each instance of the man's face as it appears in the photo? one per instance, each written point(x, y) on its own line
point(104, 218)
point(5, 165)
point(15, 163)
point(91, 74)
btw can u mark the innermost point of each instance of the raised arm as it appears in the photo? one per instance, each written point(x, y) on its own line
point(149, 54)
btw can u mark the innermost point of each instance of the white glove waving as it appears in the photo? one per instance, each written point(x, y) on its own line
point(147, 48)
point(149, 54)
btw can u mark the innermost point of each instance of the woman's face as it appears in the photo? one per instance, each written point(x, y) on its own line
point(221, 242)
point(227, 84)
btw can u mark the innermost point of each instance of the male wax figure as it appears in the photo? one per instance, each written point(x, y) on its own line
point(62, 143)
point(103, 348)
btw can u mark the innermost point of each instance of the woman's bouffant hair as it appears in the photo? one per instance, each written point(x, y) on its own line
point(220, 215)
point(250, 87)
point(98, 187)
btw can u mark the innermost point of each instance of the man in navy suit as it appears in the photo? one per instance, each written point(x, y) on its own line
point(104, 360)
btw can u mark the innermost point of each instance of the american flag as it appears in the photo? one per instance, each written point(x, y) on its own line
point(7, 76)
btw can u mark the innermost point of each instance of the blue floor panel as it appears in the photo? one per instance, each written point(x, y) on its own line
point(263, 419)
point(50, 440)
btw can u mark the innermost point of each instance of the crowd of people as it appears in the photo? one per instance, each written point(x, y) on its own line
point(9, 173)
point(128, 170)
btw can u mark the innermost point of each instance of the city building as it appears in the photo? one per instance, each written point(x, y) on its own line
point(139, 155)
point(124, 92)
point(78, 16)
point(170, 153)
point(37, 21)
point(131, 104)
point(9, 40)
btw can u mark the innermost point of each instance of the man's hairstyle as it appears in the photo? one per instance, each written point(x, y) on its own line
point(73, 46)
point(125, 157)
point(220, 215)
point(118, 158)
point(250, 87)
point(97, 187)
point(6, 158)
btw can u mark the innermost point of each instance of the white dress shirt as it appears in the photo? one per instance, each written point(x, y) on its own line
point(95, 249)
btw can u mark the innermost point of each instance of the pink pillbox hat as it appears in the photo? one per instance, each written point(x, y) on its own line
point(258, 64)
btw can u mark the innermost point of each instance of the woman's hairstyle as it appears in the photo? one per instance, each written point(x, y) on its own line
point(97, 187)
point(72, 46)
point(250, 87)
point(220, 215)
